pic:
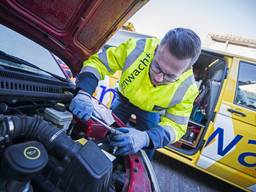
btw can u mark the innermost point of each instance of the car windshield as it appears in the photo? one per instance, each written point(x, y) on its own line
point(14, 44)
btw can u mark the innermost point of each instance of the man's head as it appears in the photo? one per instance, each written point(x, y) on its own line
point(177, 52)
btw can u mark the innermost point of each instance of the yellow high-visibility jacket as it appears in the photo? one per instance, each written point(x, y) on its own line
point(176, 99)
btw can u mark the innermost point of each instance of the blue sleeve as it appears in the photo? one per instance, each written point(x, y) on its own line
point(87, 82)
point(159, 137)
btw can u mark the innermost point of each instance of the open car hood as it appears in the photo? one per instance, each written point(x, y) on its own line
point(71, 29)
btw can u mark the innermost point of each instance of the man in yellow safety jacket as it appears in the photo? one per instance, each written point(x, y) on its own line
point(156, 77)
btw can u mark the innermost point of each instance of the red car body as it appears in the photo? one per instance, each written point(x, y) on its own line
point(73, 30)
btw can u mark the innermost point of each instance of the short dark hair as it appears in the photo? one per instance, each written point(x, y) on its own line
point(183, 43)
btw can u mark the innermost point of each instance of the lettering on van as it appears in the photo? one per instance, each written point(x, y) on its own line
point(106, 90)
point(143, 63)
point(223, 150)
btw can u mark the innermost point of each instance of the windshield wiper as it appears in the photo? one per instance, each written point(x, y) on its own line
point(17, 60)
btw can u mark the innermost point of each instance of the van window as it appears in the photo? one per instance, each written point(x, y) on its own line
point(246, 85)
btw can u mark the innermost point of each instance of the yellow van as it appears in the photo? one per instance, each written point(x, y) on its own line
point(221, 135)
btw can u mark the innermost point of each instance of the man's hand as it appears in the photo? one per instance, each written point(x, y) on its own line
point(129, 141)
point(81, 105)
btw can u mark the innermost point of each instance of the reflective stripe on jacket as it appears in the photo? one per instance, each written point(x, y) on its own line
point(175, 99)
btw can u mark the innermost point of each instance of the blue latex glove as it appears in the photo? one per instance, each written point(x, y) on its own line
point(81, 105)
point(129, 141)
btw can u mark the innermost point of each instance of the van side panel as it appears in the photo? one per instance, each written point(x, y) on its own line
point(230, 147)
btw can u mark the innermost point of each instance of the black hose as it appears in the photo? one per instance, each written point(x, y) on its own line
point(35, 128)
point(85, 168)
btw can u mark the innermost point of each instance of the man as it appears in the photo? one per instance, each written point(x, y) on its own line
point(156, 77)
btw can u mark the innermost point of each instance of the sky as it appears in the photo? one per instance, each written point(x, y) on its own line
point(237, 17)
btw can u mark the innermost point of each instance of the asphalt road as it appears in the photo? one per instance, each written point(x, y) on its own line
point(174, 176)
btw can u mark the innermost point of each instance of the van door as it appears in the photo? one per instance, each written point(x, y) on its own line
point(230, 148)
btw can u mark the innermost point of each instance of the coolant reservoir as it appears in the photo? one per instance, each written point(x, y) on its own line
point(60, 118)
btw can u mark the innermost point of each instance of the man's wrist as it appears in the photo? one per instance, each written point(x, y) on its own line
point(87, 82)
point(84, 93)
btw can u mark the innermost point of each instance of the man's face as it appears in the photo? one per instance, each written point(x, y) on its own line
point(165, 67)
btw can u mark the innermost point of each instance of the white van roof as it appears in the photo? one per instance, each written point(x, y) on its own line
point(213, 44)
point(122, 36)
point(231, 45)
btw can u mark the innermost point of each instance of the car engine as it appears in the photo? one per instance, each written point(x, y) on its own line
point(44, 148)
point(37, 150)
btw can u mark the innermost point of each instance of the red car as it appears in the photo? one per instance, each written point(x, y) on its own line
point(38, 135)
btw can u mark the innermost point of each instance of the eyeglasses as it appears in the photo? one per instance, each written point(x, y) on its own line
point(167, 77)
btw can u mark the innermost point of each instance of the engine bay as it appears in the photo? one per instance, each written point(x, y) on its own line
point(44, 148)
